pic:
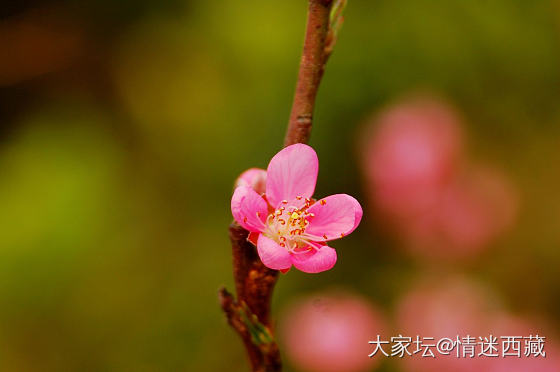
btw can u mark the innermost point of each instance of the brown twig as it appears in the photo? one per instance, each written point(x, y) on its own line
point(249, 314)
point(254, 282)
point(319, 41)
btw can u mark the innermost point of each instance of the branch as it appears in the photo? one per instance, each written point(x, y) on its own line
point(254, 282)
point(324, 19)
point(249, 314)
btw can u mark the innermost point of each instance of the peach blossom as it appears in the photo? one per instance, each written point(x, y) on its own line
point(423, 188)
point(330, 333)
point(413, 154)
point(470, 213)
point(286, 224)
point(453, 307)
point(509, 325)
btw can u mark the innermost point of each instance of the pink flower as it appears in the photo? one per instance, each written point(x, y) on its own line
point(412, 152)
point(505, 324)
point(470, 213)
point(424, 187)
point(445, 307)
point(286, 224)
point(329, 332)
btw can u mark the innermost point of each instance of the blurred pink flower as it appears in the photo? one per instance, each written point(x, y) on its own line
point(412, 155)
point(415, 168)
point(469, 214)
point(330, 333)
point(287, 226)
point(508, 325)
point(453, 307)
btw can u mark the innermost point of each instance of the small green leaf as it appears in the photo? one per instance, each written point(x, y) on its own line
point(336, 17)
point(260, 334)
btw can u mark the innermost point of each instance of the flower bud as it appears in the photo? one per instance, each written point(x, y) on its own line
point(254, 178)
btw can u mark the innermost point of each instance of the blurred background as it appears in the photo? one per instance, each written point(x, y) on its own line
point(123, 126)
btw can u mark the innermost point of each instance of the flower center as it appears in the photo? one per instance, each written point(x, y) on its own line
point(287, 226)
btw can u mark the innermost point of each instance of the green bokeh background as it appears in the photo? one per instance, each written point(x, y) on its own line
point(117, 166)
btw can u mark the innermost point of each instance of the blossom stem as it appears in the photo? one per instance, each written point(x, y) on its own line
point(319, 40)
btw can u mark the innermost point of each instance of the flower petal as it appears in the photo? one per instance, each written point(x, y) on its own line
point(292, 173)
point(316, 260)
point(334, 217)
point(249, 209)
point(272, 254)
